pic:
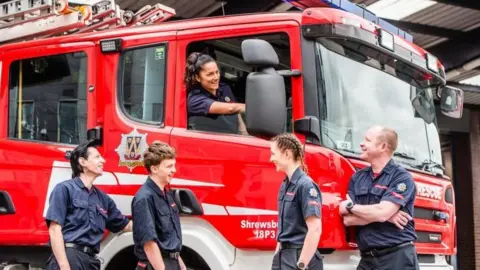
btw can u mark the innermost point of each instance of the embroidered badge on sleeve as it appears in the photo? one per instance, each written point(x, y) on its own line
point(401, 187)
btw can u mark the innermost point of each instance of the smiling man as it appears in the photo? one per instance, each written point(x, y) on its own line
point(79, 212)
point(157, 234)
point(380, 202)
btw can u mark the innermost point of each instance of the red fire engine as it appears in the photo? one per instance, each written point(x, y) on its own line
point(326, 73)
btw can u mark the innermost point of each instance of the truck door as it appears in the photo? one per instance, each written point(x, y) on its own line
point(44, 113)
point(134, 109)
point(231, 173)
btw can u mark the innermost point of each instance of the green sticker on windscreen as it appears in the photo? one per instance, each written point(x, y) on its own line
point(159, 53)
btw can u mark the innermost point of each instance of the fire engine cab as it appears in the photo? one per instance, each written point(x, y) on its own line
point(71, 72)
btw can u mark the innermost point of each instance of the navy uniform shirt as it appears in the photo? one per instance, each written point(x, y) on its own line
point(200, 100)
point(298, 199)
point(155, 218)
point(394, 184)
point(83, 214)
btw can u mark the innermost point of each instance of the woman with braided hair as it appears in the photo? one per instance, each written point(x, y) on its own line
point(299, 202)
point(211, 104)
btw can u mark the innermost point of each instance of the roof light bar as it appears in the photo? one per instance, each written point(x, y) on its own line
point(352, 8)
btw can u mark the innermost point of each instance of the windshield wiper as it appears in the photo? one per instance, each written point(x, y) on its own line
point(403, 155)
point(429, 165)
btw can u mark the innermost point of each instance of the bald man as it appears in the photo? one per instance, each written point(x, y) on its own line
point(380, 203)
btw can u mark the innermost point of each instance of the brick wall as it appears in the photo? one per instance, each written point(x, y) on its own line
point(462, 182)
point(475, 167)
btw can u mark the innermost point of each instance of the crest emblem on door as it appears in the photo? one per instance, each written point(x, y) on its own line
point(131, 149)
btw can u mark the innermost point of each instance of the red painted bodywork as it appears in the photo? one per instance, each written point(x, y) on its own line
point(240, 163)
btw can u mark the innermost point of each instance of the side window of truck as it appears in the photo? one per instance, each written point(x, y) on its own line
point(47, 98)
point(142, 84)
point(233, 72)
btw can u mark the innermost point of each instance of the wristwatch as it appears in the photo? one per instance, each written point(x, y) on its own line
point(349, 206)
point(301, 265)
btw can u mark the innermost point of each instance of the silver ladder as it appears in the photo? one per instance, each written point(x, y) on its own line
point(22, 20)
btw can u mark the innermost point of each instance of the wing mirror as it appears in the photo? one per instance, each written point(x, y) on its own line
point(308, 126)
point(424, 106)
point(265, 90)
point(187, 202)
point(451, 101)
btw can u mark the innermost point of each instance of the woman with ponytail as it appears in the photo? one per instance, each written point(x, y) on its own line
point(208, 98)
point(300, 205)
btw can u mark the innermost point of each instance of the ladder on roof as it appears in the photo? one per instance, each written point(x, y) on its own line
point(22, 20)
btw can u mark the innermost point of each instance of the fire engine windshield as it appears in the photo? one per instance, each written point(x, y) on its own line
point(358, 91)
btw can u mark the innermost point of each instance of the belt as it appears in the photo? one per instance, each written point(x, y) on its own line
point(285, 245)
point(85, 249)
point(171, 255)
point(384, 251)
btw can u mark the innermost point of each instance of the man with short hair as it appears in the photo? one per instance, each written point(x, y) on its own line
point(79, 212)
point(380, 202)
point(156, 222)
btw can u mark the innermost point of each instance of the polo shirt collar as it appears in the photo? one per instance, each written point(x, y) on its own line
point(295, 176)
point(155, 187)
point(205, 92)
point(389, 167)
point(80, 184)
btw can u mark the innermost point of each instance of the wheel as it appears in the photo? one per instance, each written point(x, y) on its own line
point(61, 7)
